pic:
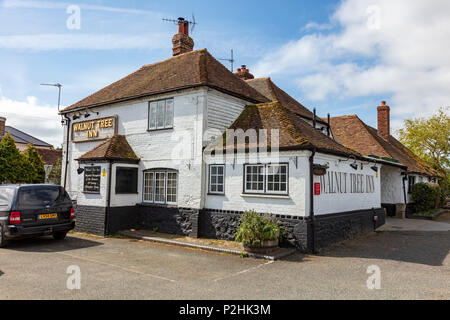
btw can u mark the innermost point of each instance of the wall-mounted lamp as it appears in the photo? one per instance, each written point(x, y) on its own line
point(76, 116)
point(354, 165)
point(80, 170)
point(374, 168)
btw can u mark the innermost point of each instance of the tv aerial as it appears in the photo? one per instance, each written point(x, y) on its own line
point(230, 60)
point(192, 23)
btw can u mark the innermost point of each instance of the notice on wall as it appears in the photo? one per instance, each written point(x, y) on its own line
point(95, 129)
point(92, 179)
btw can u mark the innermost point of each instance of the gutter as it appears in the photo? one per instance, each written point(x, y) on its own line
point(311, 199)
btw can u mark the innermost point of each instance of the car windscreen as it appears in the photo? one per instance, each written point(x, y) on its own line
point(6, 198)
point(41, 196)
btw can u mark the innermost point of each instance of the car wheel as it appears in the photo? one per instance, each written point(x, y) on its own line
point(3, 241)
point(59, 235)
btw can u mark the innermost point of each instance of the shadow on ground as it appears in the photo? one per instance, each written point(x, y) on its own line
point(48, 244)
point(429, 248)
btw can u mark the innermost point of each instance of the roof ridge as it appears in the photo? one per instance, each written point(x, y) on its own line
point(173, 57)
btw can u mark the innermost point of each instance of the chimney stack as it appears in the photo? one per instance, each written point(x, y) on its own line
point(244, 73)
point(182, 43)
point(384, 121)
point(2, 126)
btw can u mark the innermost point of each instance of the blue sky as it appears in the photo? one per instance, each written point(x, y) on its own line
point(341, 57)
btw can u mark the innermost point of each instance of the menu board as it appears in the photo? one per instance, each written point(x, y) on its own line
point(92, 179)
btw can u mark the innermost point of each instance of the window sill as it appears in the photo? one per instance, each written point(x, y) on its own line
point(216, 194)
point(267, 196)
point(160, 129)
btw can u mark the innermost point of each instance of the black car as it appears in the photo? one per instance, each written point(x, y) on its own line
point(34, 210)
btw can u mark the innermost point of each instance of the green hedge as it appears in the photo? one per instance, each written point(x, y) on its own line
point(424, 196)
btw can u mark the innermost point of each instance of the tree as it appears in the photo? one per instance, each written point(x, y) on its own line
point(35, 165)
point(13, 166)
point(429, 139)
point(55, 173)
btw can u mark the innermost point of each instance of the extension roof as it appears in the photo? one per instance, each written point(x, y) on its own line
point(192, 69)
point(353, 133)
point(294, 132)
point(25, 138)
point(49, 156)
point(115, 148)
point(271, 91)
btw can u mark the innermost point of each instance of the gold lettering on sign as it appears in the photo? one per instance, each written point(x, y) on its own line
point(95, 129)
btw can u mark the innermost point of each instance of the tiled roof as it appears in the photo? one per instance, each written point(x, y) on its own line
point(192, 69)
point(25, 138)
point(114, 148)
point(353, 133)
point(49, 156)
point(294, 132)
point(271, 91)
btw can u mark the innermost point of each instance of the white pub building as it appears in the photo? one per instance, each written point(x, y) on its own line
point(151, 151)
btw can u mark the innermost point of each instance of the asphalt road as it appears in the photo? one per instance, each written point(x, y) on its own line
point(413, 265)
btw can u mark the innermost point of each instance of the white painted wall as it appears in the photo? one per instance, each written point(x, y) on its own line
point(342, 202)
point(234, 199)
point(392, 185)
point(221, 111)
point(88, 199)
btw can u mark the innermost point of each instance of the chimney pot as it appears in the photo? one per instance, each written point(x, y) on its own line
point(384, 120)
point(244, 73)
point(182, 43)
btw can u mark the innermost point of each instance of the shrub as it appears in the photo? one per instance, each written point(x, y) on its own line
point(424, 196)
point(255, 229)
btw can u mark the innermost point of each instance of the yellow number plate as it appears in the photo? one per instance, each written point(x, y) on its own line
point(48, 216)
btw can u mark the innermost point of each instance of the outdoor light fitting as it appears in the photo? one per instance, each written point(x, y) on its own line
point(354, 165)
point(374, 168)
point(80, 170)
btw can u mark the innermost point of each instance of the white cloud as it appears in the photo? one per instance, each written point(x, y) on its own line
point(380, 47)
point(64, 5)
point(29, 116)
point(85, 41)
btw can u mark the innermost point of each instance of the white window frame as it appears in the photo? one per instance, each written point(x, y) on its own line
point(154, 126)
point(217, 176)
point(156, 172)
point(265, 179)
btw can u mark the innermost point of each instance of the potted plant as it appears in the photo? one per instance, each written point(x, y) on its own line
point(258, 234)
point(320, 169)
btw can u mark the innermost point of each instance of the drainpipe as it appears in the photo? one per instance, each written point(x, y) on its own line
point(311, 197)
point(67, 150)
point(108, 196)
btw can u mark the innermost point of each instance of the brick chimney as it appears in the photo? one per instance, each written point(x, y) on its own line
point(182, 43)
point(384, 120)
point(2, 126)
point(244, 73)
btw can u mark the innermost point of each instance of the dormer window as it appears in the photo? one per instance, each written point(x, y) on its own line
point(160, 114)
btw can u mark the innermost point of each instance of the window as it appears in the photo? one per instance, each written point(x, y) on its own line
point(216, 179)
point(160, 186)
point(266, 178)
point(411, 182)
point(160, 114)
point(126, 180)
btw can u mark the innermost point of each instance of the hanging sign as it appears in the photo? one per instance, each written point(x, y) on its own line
point(95, 129)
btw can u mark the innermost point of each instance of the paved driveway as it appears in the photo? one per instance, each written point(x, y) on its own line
point(413, 265)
